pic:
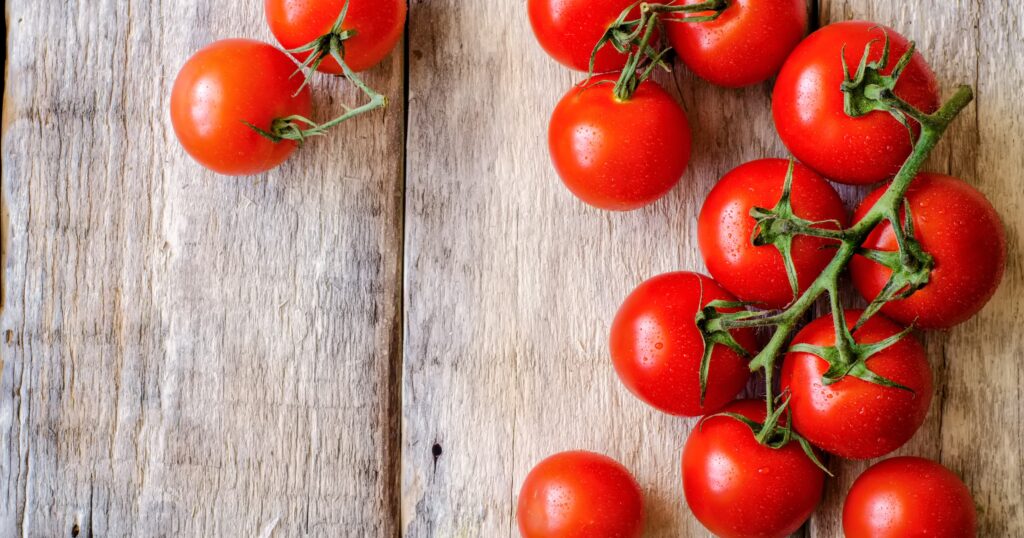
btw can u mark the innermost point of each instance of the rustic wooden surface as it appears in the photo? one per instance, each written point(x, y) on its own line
point(190, 355)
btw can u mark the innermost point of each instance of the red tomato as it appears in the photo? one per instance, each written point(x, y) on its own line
point(745, 45)
point(580, 495)
point(808, 105)
point(616, 154)
point(568, 30)
point(902, 497)
point(738, 488)
point(854, 418)
point(757, 273)
point(961, 230)
point(228, 83)
point(378, 25)
point(657, 348)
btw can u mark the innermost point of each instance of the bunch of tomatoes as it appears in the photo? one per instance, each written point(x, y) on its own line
point(855, 103)
point(242, 107)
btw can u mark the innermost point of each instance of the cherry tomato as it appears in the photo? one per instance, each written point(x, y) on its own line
point(961, 230)
point(568, 30)
point(757, 273)
point(854, 418)
point(907, 496)
point(225, 84)
point(615, 154)
point(657, 348)
point(580, 495)
point(738, 488)
point(378, 25)
point(808, 105)
point(745, 45)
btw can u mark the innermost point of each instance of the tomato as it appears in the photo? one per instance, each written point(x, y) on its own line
point(378, 25)
point(225, 84)
point(745, 45)
point(568, 30)
point(580, 495)
point(961, 230)
point(615, 154)
point(757, 273)
point(657, 348)
point(908, 496)
point(738, 488)
point(854, 418)
point(807, 104)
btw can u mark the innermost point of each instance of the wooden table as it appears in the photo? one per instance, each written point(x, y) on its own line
point(384, 335)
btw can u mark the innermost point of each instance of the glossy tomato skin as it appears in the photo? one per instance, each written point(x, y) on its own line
point(619, 155)
point(961, 230)
point(657, 348)
point(807, 105)
point(738, 488)
point(378, 23)
point(908, 496)
point(229, 82)
point(745, 45)
point(568, 30)
point(853, 418)
point(580, 494)
point(757, 274)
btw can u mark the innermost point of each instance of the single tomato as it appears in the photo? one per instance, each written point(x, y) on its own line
point(745, 45)
point(854, 418)
point(568, 30)
point(580, 495)
point(960, 229)
point(222, 87)
point(907, 496)
point(657, 348)
point(378, 25)
point(619, 154)
point(739, 488)
point(725, 228)
point(809, 112)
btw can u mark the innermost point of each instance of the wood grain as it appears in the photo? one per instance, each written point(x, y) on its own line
point(186, 354)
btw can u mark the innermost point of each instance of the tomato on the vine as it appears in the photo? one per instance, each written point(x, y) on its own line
point(377, 25)
point(908, 496)
point(958, 227)
point(745, 45)
point(739, 488)
point(568, 30)
point(657, 348)
point(725, 227)
point(852, 417)
point(580, 494)
point(808, 104)
point(226, 85)
point(619, 154)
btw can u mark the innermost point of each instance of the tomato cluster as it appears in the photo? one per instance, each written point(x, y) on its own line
point(242, 107)
point(855, 103)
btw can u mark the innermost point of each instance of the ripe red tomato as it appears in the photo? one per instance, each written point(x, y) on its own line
point(808, 105)
point(580, 495)
point(757, 273)
point(961, 230)
point(745, 45)
point(568, 30)
point(657, 348)
point(616, 154)
point(378, 25)
point(908, 496)
point(854, 418)
point(738, 488)
point(225, 84)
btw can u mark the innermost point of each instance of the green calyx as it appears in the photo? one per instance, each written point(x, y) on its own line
point(849, 358)
point(775, 433)
point(868, 90)
point(713, 325)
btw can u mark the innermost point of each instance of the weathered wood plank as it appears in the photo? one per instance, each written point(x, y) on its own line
point(512, 283)
point(186, 354)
